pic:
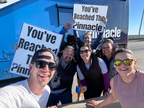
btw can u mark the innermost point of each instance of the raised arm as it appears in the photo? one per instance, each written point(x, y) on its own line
point(75, 32)
point(64, 30)
point(99, 37)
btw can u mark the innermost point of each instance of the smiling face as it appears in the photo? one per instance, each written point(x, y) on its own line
point(107, 49)
point(68, 55)
point(85, 55)
point(124, 70)
point(41, 76)
point(87, 38)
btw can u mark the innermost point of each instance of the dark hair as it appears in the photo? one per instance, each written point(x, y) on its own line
point(71, 38)
point(123, 50)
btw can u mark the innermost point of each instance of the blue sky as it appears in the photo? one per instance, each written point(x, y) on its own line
point(135, 14)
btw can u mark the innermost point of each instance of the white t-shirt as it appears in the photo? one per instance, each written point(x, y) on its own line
point(19, 95)
point(101, 64)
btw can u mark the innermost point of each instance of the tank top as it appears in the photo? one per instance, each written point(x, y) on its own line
point(130, 95)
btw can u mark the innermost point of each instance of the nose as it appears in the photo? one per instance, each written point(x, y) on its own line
point(46, 68)
point(122, 64)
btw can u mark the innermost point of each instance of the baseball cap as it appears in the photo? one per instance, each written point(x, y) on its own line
point(37, 56)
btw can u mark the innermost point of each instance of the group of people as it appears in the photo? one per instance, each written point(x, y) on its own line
point(51, 79)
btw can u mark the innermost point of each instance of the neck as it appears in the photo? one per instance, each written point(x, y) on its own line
point(35, 89)
point(129, 78)
point(87, 61)
point(108, 57)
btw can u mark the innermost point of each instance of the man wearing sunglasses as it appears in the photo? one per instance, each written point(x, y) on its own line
point(34, 91)
point(61, 82)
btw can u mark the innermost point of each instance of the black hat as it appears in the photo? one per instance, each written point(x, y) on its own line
point(71, 38)
point(37, 56)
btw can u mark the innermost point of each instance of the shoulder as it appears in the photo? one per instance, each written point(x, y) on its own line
point(101, 61)
point(140, 74)
point(112, 82)
point(15, 91)
point(47, 88)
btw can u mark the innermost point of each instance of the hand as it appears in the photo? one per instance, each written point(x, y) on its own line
point(72, 19)
point(16, 47)
point(68, 26)
point(53, 107)
point(83, 89)
point(79, 98)
point(107, 94)
point(93, 103)
point(105, 21)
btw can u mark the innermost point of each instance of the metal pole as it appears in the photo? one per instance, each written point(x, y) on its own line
point(141, 23)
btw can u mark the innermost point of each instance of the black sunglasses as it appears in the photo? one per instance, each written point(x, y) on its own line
point(127, 62)
point(42, 64)
point(82, 51)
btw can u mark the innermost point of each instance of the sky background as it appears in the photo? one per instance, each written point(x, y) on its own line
point(135, 14)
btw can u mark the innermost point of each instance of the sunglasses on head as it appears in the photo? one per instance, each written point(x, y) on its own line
point(82, 51)
point(42, 64)
point(127, 62)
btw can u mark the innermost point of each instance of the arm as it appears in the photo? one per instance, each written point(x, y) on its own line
point(95, 44)
point(66, 28)
point(99, 37)
point(108, 100)
point(82, 81)
point(63, 31)
point(104, 73)
point(106, 84)
point(75, 32)
point(63, 43)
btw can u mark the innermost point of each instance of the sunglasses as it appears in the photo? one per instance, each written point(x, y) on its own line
point(127, 62)
point(42, 64)
point(86, 51)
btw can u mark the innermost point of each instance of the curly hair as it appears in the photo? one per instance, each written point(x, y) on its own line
point(71, 38)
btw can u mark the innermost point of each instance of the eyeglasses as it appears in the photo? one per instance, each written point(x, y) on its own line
point(42, 64)
point(86, 51)
point(127, 62)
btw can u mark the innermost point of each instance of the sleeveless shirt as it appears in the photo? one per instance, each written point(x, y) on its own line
point(130, 95)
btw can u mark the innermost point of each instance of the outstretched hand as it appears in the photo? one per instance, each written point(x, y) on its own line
point(93, 103)
point(105, 21)
point(68, 26)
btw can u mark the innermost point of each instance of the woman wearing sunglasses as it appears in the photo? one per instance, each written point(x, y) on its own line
point(108, 49)
point(128, 85)
point(92, 73)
